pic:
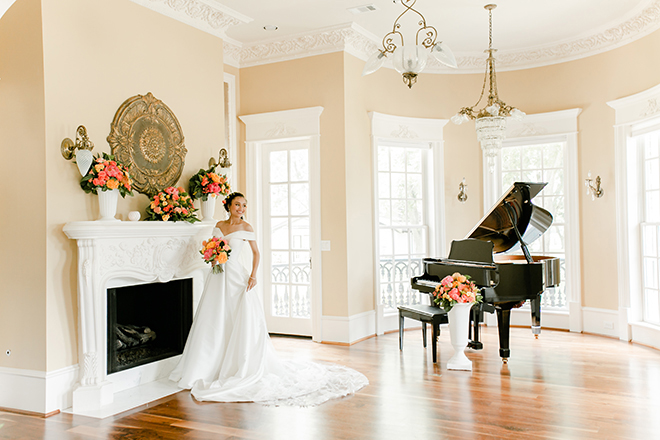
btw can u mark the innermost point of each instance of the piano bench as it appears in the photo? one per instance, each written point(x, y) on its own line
point(425, 314)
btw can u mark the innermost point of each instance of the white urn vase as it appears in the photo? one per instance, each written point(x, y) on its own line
point(459, 322)
point(108, 204)
point(208, 210)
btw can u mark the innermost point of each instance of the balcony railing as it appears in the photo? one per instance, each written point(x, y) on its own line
point(290, 293)
point(394, 280)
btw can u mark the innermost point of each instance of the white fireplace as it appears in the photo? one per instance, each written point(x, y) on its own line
point(118, 254)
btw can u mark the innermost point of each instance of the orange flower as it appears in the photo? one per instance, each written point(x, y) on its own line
point(113, 183)
point(221, 258)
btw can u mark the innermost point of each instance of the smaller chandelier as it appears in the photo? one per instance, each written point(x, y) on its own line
point(410, 60)
point(490, 121)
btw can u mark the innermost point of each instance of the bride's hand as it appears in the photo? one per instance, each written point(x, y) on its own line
point(251, 283)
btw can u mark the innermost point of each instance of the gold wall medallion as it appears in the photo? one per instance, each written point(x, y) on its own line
point(147, 138)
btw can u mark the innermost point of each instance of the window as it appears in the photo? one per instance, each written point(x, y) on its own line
point(402, 232)
point(649, 169)
point(543, 162)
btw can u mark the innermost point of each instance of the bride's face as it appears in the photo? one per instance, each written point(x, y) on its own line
point(238, 207)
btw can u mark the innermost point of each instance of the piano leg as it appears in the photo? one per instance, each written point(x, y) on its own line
point(535, 305)
point(434, 340)
point(503, 324)
point(401, 318)
point(476, 314)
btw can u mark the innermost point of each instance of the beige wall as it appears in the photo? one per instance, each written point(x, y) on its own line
point(24, 186)
point(95, 55)
point(587, 84)
point(309, 82)
point(359, 193)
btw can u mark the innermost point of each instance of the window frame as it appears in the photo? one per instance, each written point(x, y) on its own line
point(427, 133)
point(538, 129)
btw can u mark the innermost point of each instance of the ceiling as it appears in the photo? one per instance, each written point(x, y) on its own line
point(527, 33)
point(462, 24)
point(560, 29)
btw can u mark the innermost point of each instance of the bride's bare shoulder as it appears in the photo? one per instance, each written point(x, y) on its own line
point(220, 225)
point(247, 226)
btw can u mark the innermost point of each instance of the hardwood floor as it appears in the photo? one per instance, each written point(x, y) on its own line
point(562, 386)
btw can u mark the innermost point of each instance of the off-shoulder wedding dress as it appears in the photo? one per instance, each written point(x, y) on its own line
point(229, 356)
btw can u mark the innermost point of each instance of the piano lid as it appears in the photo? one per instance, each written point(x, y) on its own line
point(497, 226)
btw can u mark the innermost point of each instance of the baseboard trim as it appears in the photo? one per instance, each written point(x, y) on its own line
point(646, 334)
point(37, 392)
point(340, 330)
point(602, 322)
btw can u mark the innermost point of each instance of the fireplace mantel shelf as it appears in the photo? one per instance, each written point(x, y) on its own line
point(120, 229)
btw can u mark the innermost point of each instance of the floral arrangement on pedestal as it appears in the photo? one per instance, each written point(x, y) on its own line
point(456, 289)
point(107, 174)
point(215, 251)
point(207, 183)
point(172, 204)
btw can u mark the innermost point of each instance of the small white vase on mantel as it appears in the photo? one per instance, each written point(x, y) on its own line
point(459, 321)
point(108, 204)
point(208, 209)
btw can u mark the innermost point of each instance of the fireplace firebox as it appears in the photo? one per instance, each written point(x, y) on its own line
point(147, 323)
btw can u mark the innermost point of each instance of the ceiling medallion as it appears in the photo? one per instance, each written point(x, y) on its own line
point(147, 138)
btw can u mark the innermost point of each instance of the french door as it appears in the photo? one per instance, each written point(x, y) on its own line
point(287, 256)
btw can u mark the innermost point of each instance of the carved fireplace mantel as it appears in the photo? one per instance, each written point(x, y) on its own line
point(120, 254)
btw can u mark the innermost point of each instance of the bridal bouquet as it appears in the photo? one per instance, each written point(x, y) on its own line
point(455, 289)
point(107, 174)
point(206, 183)
point(215, 250)
point(172, 204)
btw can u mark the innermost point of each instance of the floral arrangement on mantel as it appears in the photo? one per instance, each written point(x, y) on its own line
point(456, 289)
point(215, 251)
point(207, 183)
point(106, 173)
point(172, 204)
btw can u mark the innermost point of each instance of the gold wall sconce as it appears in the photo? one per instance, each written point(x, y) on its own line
point(462, 191)
point(594, 190)
point(223, 160)
point(81, 149)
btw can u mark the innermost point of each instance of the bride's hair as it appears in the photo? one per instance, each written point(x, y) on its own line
point(230, 198)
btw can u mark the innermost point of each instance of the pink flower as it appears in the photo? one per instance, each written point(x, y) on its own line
point(446, 281)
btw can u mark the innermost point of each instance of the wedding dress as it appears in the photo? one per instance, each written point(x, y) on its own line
point(229, 356)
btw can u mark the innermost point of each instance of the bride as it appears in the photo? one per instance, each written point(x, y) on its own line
point(229, 357)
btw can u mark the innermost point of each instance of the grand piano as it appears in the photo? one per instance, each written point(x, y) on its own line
point(507, 280)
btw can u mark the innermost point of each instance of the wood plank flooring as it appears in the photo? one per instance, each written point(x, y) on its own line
point(561, 386)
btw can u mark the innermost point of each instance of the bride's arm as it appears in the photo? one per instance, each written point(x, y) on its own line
point(255, 264)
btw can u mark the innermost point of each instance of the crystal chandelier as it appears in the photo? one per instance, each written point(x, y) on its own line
point(410, 60)
point(490, 121)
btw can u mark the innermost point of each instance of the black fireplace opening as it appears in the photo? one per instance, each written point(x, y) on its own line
point(147, 323)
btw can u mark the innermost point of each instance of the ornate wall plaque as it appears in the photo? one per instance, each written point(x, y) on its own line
point(146, 137)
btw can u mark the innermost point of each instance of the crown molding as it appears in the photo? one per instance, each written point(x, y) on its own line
point(206, 15)
point(215, 18)
point(641, 24)
point(348, 37)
